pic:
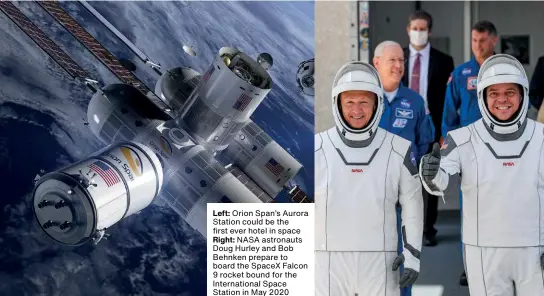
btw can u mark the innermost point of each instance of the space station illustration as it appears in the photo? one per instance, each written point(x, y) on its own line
point(188, 142)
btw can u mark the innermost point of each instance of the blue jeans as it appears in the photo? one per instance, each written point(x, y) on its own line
point(408, 290)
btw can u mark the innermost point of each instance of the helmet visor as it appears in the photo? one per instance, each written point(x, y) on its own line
point(357, 76)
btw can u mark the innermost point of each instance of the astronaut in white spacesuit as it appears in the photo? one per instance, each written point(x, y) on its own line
point(362, 171)
point(500, 159)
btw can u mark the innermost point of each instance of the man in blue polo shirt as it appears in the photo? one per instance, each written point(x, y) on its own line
point(461, 102)
point(404, 111)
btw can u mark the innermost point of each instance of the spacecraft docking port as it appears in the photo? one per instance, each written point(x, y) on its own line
point(228, 93)
point(175, 86)
point(74, 204)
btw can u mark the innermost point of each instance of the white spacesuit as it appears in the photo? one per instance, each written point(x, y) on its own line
point(360, 175)
point(501, 163)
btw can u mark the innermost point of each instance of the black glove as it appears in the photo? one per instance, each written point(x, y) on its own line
point(409, 275)
point(431, 164)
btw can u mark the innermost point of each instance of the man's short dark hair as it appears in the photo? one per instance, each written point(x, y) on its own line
point(485, 26)
point(421, 15)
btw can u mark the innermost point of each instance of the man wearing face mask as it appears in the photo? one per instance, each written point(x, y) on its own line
point(461, 103)
point(404, 110)
point(428, 70)
point(499, 159)
point(361, 172)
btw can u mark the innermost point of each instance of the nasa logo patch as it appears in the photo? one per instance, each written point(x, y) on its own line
point(466, 71)
point(413, 158)
point(405, 104)
point(472, 82)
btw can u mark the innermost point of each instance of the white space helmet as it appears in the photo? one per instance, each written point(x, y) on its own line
point(357, 76)
point(503, 68)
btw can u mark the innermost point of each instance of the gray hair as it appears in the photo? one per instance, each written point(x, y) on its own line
point(381, 47)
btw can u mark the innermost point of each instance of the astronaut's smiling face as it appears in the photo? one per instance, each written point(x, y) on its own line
point(357, 107)
point(503, 100)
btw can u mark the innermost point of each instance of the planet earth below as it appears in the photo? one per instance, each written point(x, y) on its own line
point(41, 127)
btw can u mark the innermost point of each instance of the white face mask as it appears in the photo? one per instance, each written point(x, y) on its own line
point(418, 38)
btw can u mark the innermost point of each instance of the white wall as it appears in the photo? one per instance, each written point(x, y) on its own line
point(332, 50)
point(517, 18)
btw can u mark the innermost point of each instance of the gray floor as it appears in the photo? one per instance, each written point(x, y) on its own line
point(442, 265)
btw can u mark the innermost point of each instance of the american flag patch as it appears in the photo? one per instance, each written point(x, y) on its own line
point(242, 102)
point(108, 174)
point(274, 167)
point(209, 73)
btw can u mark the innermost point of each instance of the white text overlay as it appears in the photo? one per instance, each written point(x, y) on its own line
point(260, 249)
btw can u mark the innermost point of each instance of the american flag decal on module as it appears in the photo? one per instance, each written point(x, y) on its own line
point(242, 102)
point(108, 174)
point(209, 73)
point(274, 167)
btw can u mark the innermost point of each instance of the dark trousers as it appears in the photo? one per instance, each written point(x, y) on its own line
point(408, 290)
point(431, 213)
